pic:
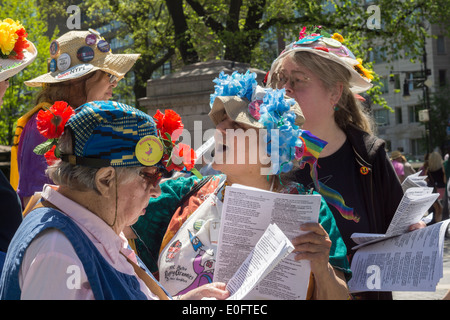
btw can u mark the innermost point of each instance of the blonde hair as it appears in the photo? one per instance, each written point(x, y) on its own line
point(434, 161)
point(350, 110)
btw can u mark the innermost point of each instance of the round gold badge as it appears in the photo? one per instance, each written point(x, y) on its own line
point(149, 150)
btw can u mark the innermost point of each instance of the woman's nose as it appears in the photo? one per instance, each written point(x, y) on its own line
point(155, 192)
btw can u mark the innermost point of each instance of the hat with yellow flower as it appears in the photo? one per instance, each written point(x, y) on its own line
point(16, 52)
point(330, 46)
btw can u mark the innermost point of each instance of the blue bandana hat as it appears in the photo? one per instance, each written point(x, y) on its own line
point(105, 133)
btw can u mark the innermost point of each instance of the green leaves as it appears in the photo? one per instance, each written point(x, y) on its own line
point(46, 146)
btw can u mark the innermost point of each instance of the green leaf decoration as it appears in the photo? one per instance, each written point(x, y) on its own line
point(45, 146)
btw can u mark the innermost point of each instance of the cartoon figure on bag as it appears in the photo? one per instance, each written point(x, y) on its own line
point(203, 264)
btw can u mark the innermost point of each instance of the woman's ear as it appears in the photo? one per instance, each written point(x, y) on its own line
point(105, 180)
point(336, 93)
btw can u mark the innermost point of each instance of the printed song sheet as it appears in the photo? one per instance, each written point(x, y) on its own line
point(246, 214)
point(410, 262)
point(415, 203)
point(268, 252)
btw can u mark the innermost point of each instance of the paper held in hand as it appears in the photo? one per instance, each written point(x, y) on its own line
point(413, 206)
point(400, 260)
point(246, 214)
point(271, 248)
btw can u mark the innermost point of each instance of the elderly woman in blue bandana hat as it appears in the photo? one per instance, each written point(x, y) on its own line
point(187, 250)
point(71, 245)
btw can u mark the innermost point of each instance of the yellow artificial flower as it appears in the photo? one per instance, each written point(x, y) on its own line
point(16, 25)
point(363, 71)
point(8, 37)
point(338, 37)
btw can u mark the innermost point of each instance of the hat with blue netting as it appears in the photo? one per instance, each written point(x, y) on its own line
point(109, 133)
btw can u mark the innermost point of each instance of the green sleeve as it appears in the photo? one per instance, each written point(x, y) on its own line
point(151, 227)
point(338, 250)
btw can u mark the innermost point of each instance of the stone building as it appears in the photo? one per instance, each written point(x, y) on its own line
point(187, 92)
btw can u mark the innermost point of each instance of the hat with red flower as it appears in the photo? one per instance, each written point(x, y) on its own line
point(109, 133)
point(16, 52)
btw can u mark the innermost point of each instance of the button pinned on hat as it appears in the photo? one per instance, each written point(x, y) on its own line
point(52, 65)
point(54, 48)
point(149, 150)
point(85, 54)
point(103, 46)
point(332, 42)
point(91, 39)
point(94, 31)
point(63, 62)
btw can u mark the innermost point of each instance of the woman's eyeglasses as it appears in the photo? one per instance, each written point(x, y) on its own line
point(112, 78)
point(295, 80)
point(153, 177)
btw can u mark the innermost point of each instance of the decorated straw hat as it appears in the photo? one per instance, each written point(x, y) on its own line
point(330, 46)
point(78, 53)
point(16, 52)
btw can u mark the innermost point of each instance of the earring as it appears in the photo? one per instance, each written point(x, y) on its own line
point(336, 108)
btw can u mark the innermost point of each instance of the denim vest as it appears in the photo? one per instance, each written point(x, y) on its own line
point(106, 282)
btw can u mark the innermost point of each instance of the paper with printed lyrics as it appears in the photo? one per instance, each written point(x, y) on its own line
point(410, 262)
point(413, 206)
point(414, 180)
point(246, 214)
point(271, 248)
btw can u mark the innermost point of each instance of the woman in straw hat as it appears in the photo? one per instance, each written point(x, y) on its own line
point(71, 245)
point(239, 106)
point(81, 69)
point(324, 77)
point(16, 53)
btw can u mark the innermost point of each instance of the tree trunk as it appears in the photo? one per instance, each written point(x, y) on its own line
point(182, 37)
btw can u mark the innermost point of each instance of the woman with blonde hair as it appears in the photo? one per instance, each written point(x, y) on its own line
point(324, 77)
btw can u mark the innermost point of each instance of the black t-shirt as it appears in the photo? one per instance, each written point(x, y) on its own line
point(10, 212)
point(339, 172)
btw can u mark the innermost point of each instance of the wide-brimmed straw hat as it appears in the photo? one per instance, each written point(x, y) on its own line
point(330, 47)
point(78, 53)
point(14, 36)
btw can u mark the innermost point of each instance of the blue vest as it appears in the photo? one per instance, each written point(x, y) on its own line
point(106, 282)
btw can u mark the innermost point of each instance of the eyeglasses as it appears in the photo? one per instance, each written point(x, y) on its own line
point(296, 80)
point(112, 78)
point(153, 177)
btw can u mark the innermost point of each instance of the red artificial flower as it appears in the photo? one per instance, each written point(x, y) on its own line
point(169, 122)
point(50, 156)
point(51, 122)
point(183, 156)
point(302, 33)
point(21, 44)
point(322, 48)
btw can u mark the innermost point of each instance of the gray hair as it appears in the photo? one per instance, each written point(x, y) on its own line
point(78, 177)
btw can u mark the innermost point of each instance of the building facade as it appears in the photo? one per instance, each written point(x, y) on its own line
point(402, 129)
